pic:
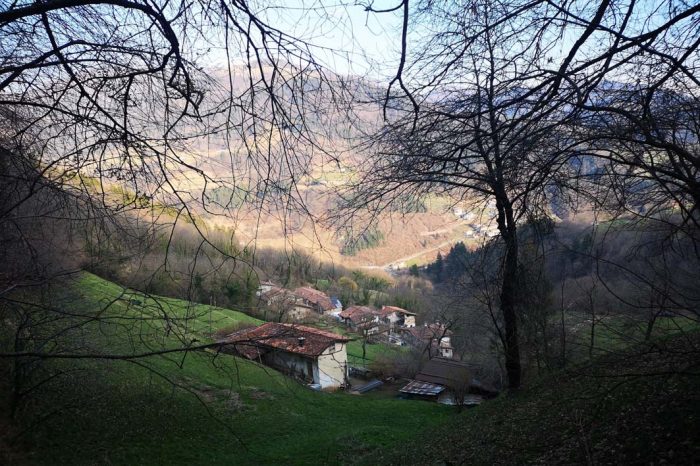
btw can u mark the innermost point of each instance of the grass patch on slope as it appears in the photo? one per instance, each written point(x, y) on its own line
point(198, 408)
point(618, 332)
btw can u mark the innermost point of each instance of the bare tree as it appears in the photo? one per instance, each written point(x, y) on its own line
point(510, 100)
point(479, 133)
point(110, 105)
point(107, 111)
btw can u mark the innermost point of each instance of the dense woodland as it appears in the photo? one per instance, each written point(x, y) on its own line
point(144, 143)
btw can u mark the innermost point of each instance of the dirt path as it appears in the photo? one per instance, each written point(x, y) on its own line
point(445, 228)
point(409, 257)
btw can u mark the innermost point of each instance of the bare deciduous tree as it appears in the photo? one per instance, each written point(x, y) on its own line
point(107, 110)
point(479, 133)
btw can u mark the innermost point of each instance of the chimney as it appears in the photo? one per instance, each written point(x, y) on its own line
point(301, 341)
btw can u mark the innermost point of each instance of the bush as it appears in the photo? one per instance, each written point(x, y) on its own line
point(404, 364)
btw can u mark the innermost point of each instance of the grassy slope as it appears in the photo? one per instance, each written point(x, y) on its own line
point(640, 405)
point(629, 407)
point(225, 411)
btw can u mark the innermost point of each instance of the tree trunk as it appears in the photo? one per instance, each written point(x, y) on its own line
point(650, 326)
point(591, 302)
point(562, 344)
point(509, 291)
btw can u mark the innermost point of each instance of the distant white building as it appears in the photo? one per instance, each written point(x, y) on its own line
point(264, 287)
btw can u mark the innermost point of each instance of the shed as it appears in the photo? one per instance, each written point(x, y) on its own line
point(447, 381)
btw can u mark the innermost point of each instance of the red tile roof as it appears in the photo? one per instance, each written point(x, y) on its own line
point(386, 310)
point(359, 313)
point(253, 342)
point(316, 297)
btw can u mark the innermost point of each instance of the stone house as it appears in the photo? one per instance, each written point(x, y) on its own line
point(317, 300)
point(284, 305)
point(311, 355)
point(362, 319)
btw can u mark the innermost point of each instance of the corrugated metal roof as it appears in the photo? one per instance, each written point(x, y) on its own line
point(415, 387)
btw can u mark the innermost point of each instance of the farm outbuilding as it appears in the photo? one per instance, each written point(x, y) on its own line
point(447, 381)
point(309, 354)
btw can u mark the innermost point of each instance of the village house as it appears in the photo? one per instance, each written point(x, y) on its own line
point(269, 294)
point(285, 305)
point(319, 301)
point(435, 337)
point(362, 319)
point(309, 354)
point(447, 381)
point(397, 317)
point(299, 305)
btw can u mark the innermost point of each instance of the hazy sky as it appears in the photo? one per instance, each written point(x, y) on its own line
point(345, 37)
point(369, 41)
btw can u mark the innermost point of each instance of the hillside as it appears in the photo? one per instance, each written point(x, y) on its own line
point(638, 406)
point(402, 235)
point(195, 409)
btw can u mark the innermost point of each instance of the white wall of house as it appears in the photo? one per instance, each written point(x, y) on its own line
point(330, 369)
point(394, 317)
point(446, 347)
